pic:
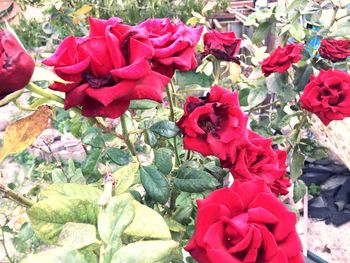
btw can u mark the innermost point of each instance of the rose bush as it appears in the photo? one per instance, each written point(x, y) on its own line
point(244, 223)
point(16, 65)
point(281, 59)
point(334, 49)
point(328, 95)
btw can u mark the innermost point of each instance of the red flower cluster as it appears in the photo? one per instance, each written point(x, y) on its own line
point(117, 63)
point(223, 46)
point(215, 125)
point(334, 50)
point(328, 95)
point(281, 59)
point(245, 223)
point(16, 65)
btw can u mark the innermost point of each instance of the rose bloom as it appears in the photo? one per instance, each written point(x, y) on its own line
point(16, 65)
point(328, 95)
point(244, 223)
point(258, 160)
point(214, 125)
point(174, 45)
point(107, 69)
point(334, 50)
point(281, 59)
point(223, 46)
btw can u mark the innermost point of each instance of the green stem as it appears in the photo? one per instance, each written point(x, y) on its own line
point(44, 93)
point(171, 102)
point(172, 117)
point(126, 135)
point(16, 197)
point(4, 246)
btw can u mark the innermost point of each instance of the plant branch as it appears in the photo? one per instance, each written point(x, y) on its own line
point(171, 102)
point(126, 135)
point(4, 246)
point(16, 197)
point(172, 117)
point(44, 93)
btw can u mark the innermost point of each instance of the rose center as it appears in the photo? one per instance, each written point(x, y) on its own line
point(105, 81)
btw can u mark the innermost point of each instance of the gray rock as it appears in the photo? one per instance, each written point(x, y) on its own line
point(334, 182)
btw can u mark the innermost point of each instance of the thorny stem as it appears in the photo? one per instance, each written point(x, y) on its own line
point(16, 197)
point(126, 135)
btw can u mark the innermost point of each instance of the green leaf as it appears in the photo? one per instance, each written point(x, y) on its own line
point(147, 224)
point(297, 4)
point(143, 104)
point(79, 125)
point(112, 221)
point(279, 85)
point(163, 159)
point(119, 156)
point(58, 255)
point(125, 177)
point(190, 78)
point(297, 31)
point(155, 184)
point(302, 76)
point(296, 165)
point(50, 215)
point(146, 252)
point(280, 119)
point(84, 192)
point(261, 32)
point(90, 164)
point(312, 149)
point(243, 97)
point(257, 94)
point(174, 226)
point(195, 181)
point(115, 218)
point(150, 138)
point(340, 29)
point(165, 128)
point(58, 176)
point(94, 138)
point(77, 235)
point(299, 190)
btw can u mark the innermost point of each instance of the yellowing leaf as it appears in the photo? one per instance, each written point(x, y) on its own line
point(234, 71)
point(124, 177)
point(83, 10)
point(21, 134)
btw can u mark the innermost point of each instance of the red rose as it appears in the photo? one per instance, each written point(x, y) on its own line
point(244, 223)
point(223, 46)
point(328, 95)
point(258, 160)
point(107, 69)
point(281, 59)
point(334, 50)
point(214, 125)
point(174, 45)
point(16, 65)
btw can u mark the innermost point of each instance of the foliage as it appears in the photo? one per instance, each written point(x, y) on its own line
point(133, 199)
